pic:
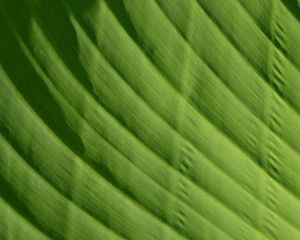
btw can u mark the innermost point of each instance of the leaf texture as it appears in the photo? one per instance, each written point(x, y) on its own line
point(154, 119)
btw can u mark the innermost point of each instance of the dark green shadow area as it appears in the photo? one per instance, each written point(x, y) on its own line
point(11, 198)
point(28, 82)
point(293, 7)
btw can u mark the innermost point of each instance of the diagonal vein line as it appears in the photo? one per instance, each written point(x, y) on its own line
point(97, 132)
point(227, 137)
point(247, 61)
point(26, 222)
point(238, 99)
point(152, 110)
point(219, 78)
point(267, 35)
point(61, 194)
point(278, 182)
point(42, 178)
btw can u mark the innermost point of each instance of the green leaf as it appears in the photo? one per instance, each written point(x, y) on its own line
point(154, 119)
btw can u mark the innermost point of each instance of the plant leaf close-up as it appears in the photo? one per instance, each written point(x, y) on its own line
point(149, 119)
